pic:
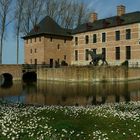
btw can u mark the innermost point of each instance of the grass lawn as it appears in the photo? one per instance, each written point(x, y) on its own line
point(105, 122)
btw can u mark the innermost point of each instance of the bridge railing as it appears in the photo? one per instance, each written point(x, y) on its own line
point(34, 66)
point(27, 66)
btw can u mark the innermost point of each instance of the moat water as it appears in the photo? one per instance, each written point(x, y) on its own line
point(66, 93)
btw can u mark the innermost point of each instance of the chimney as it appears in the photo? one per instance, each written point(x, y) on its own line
point(120, 10)
point(93, 17)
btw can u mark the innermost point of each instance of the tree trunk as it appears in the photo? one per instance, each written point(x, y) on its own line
point(1, 48)
point(17, 49)
point(1, 51)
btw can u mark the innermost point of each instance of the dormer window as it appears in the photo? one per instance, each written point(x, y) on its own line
point(36, 28)
point(89, 26)
point(105, 23)
point(119, 21)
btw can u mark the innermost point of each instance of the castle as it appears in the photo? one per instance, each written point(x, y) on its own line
point(117, 37)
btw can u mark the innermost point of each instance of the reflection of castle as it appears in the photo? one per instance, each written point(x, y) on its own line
point(116, 37)
point(61, 93)
point(11, 90)
point(53, 93)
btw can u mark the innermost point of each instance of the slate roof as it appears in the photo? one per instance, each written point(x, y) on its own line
point(125, 19)
point(50, 27)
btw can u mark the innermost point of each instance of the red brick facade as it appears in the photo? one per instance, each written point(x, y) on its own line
point(119, 40)
point(48, 50)
point(110, 45)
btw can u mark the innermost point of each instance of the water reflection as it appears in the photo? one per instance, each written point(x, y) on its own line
point(61, 93)
point(7, 84)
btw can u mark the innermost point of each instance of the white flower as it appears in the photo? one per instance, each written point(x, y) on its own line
point(123, 133)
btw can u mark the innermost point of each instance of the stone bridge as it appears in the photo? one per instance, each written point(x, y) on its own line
point(17, 72)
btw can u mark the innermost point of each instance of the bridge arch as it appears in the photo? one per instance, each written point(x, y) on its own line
point(6, 77)
point(6, 80)
point(29, 77)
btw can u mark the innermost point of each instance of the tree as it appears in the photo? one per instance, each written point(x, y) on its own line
point(26, 16)
point(36, 11)
point(32, 14)
point(18, 20)
point(67, 13)
point(4, 22)
point(51, 8)
point(82, 14)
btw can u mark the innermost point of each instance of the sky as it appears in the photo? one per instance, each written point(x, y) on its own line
point(104, 8)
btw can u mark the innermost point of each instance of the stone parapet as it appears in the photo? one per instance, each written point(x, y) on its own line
point(89, 74)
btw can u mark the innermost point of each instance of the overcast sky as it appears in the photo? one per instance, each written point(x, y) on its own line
point(104, 8)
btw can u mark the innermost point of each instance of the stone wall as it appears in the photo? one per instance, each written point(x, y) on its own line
point(14, 70)
point(88, 74)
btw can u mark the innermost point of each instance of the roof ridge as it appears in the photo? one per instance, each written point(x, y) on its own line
point(128, 18)
point(114, 16)
point(48, 26)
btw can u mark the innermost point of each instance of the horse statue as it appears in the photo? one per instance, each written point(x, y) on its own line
point(96, 58)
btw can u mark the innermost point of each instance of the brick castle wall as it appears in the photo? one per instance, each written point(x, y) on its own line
point(89, 74)
point(55, 48)
point(110, 44)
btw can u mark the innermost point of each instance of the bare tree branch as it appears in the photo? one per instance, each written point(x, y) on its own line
point(66, 13)
point(4, 22)
point(18, 20)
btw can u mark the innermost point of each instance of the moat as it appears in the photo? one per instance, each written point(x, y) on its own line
point(69, 93)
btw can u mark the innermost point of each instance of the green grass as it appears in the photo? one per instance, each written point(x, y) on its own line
point(74, 123)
